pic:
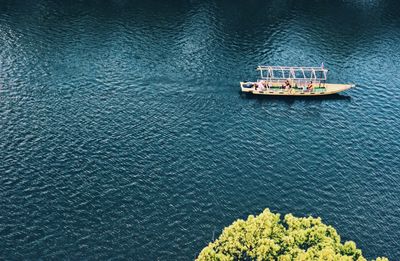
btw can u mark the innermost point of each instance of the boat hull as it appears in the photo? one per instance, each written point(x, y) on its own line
point(328, 89)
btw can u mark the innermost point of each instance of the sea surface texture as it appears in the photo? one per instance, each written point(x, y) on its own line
point(123, 132)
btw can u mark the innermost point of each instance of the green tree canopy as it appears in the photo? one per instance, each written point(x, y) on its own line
point(268, 237)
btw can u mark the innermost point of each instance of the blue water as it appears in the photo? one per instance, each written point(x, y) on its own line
point(123, 133)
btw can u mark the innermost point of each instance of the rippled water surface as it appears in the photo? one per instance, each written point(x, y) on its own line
point(124, 134)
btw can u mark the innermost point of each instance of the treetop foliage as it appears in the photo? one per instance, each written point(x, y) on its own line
point(268, 237)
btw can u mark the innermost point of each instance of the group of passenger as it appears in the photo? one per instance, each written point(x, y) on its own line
point(261, 85)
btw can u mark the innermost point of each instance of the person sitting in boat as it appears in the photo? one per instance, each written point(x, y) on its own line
point(310, 86)
point(288, 85)
point(260, 86)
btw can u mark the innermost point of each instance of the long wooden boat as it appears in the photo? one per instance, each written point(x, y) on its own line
point(293, 81)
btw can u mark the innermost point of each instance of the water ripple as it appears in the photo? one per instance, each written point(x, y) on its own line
point(124, 134)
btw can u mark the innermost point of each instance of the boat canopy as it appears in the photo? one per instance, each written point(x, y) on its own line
point(277, 73)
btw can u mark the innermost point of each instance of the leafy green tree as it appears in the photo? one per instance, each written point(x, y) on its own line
point(268, 237)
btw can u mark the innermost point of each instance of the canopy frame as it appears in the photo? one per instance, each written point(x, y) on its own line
point(316, 74)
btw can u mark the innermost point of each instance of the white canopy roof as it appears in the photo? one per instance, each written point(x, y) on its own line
point(295, 73)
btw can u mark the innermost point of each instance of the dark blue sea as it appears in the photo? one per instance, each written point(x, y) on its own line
point(124, 135)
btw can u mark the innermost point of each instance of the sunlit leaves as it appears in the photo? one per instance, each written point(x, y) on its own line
point(268, 237)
